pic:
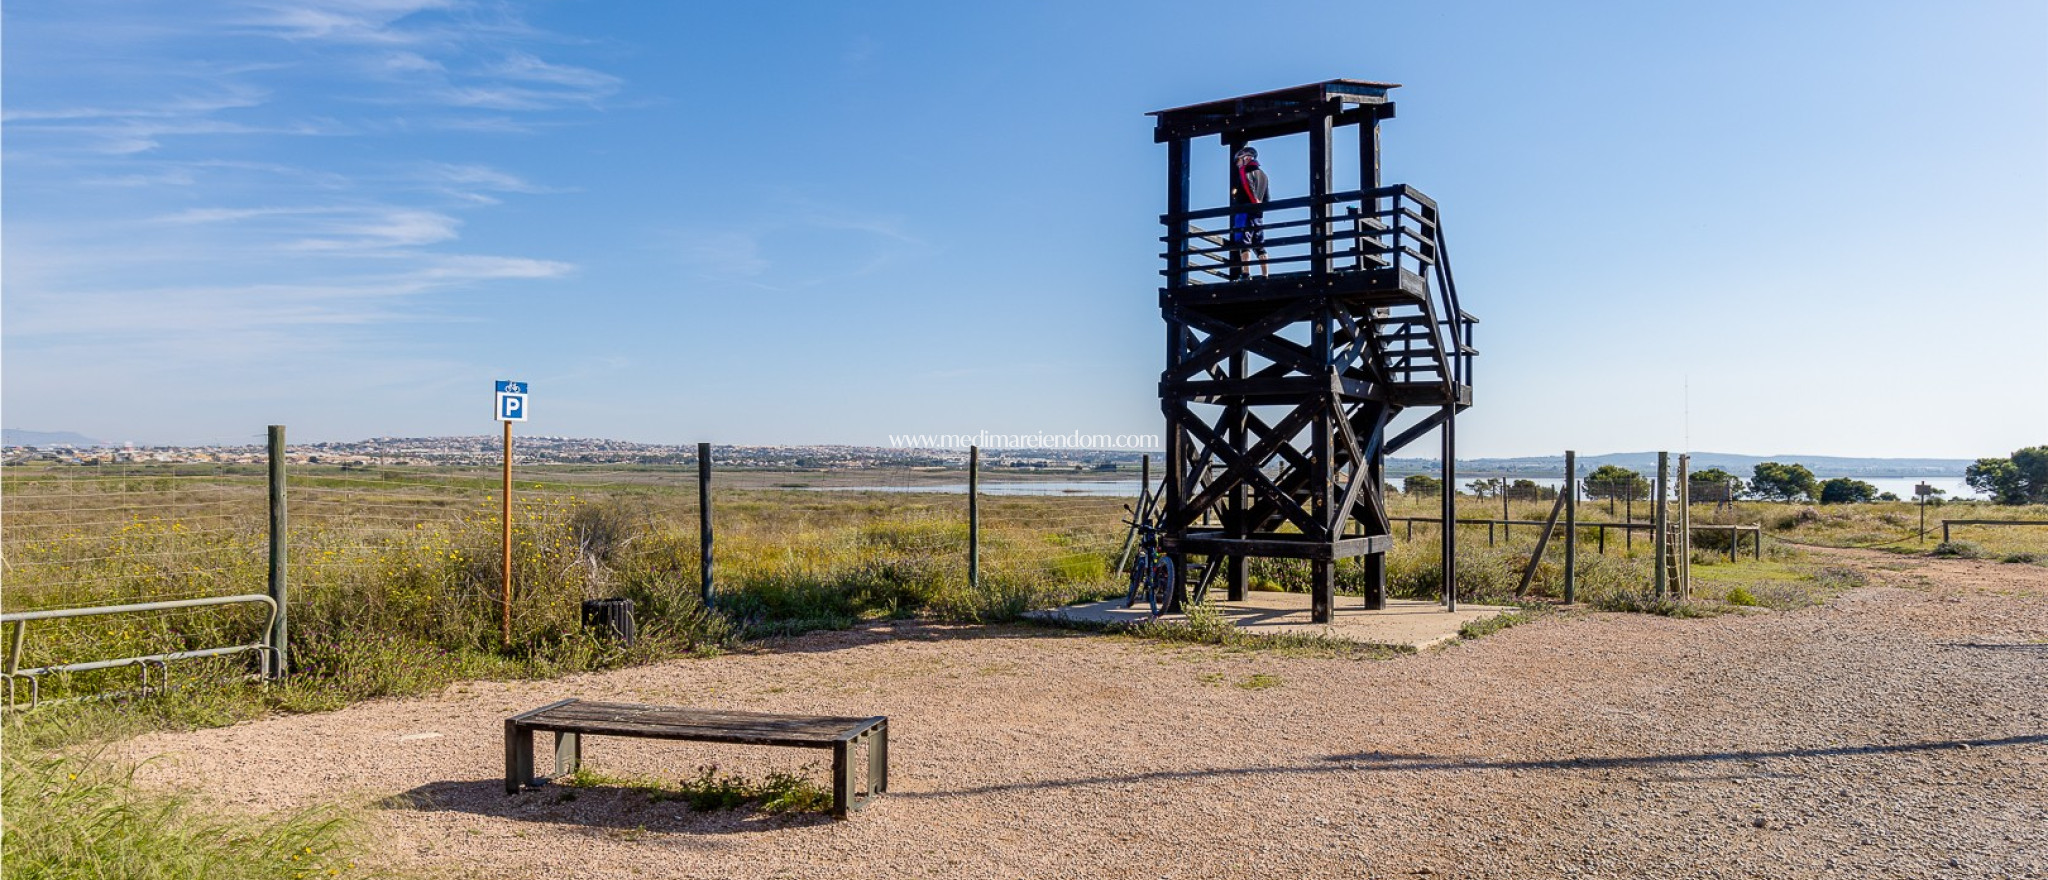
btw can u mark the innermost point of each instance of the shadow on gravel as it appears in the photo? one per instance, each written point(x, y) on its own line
point(617, 811)
point(823, 641)
point(1998, 646)
point(1393, 762)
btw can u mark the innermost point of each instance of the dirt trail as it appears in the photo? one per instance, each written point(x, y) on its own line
point(1901, 730)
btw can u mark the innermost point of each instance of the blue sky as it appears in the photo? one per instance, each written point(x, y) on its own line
point(1742, 227)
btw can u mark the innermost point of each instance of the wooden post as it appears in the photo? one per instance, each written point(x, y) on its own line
point(1322, 507)
point(704, 523)
point(277, 636)
point(1144, 482)
point(505, 593)
point(974, 517)
point(1319, 179)
point(1507, 532)
point(1683, 488)
point(1662, 539)
point(1237, 566)
point(1450, 536)
point(1571, 526)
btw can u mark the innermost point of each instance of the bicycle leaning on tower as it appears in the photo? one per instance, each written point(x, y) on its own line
point(1151, 570)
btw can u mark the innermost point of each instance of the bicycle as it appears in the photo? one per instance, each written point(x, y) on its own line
point(1151, 571)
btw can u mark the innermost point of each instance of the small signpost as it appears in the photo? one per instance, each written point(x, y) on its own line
point(1923, 491)
point(508, 406)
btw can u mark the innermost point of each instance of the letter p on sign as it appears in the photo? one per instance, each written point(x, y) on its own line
point(511, 407)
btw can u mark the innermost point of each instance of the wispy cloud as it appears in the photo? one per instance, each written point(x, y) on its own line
point(370, 22)
point(796, 243)
point(216, 227)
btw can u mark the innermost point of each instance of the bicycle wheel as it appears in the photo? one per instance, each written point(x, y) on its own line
point(1160, 592)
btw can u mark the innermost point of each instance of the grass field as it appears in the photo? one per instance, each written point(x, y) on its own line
point(394, 576)
point(395, 573)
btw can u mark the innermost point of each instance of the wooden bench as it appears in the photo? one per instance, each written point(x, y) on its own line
point(571, 720)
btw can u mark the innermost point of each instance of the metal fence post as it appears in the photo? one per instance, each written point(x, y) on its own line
point(1661, 543)
point(974, 517)
point(704, 522)
point(277, 637)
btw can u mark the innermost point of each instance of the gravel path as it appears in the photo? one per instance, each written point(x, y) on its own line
point(1901, 730)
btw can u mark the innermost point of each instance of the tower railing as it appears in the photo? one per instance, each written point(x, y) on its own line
point(1390, 231)
point(1391, 227)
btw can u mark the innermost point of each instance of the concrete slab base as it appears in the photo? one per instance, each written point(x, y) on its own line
point(1411, 622)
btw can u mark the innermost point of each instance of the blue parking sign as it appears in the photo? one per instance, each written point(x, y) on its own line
point(511, 401)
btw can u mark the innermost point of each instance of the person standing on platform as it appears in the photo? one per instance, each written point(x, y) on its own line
point(1247, 201)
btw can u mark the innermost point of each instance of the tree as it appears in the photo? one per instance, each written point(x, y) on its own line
point(1614, 481)
point(2021, 479)
point(1843, 490)
point(1712, 484)
point(1528, 490)
point(1421, 484)
point(1483, 487)
point(1782, 482)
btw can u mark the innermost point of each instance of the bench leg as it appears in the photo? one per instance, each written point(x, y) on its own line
point(518, 757)
point(568, 752)
point(842, 778)
point(878, 761)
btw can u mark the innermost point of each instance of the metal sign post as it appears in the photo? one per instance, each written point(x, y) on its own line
point(509, 405)
point(1923, 490)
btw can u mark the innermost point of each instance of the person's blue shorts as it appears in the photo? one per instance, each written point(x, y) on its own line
point(1245, 232)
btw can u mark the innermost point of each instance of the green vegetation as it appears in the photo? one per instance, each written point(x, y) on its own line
point(1421, 484)
point(1614, 482)
point(1487, 626)
point(395, 583)
point(779, 791)
point(395, 579)
point(2020, 479)
point(1842, 490)
point(81, 816)
point(1714, 484)
point(1783, 482)
point(1958, 549)
point(1204, 624)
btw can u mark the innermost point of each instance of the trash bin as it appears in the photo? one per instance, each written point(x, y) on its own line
point(610, 618)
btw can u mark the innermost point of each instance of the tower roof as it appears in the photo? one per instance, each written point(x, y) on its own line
point(1266, 114)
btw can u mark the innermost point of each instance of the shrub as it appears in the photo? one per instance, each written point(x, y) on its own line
point(1958, 549)
point(1835, 577)
point(1740, 595)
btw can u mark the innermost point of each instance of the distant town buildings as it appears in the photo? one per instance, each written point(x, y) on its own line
point(487, 450)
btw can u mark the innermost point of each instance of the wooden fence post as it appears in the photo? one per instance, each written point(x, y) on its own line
point(277, 637)
point(974, 517)
point(704, 522)
point(1571, 526)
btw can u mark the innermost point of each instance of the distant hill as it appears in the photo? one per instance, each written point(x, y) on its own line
point(18, 437)
point(1739, 465)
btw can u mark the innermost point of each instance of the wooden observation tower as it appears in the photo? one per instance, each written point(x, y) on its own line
point(1288, 384)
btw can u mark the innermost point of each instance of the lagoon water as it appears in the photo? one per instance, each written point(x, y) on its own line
point(1900, 486)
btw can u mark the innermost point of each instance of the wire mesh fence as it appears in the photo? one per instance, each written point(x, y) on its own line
point(411, 554)
point(109, 534)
